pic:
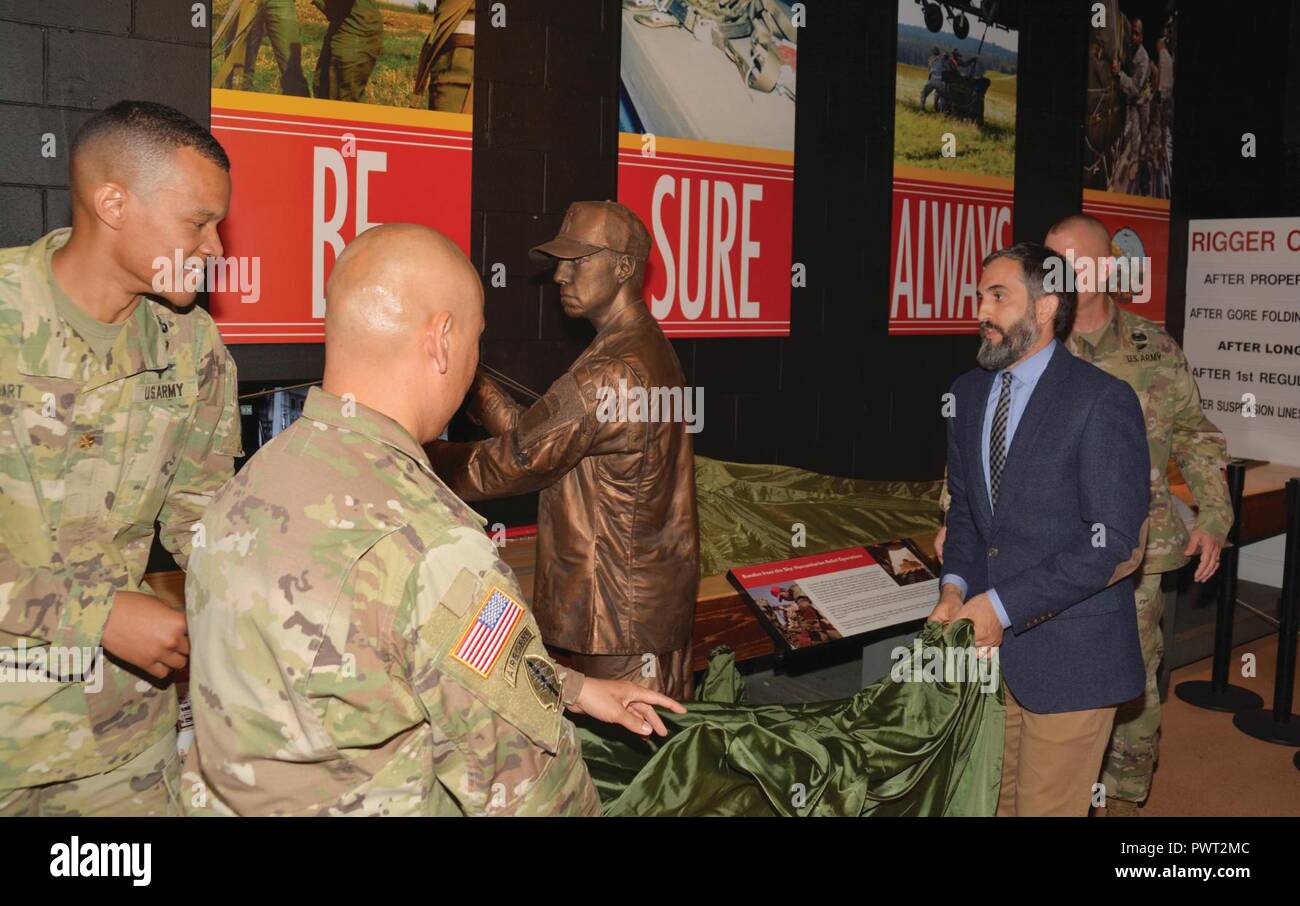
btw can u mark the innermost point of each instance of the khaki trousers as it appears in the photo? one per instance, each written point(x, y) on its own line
point(1051, 761)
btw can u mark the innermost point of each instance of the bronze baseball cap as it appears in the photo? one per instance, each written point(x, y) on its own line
point(591, 226)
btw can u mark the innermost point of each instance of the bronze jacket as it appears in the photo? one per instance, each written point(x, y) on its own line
point(618, 543)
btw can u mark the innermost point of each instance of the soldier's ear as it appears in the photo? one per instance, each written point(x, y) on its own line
point(437, 340)
point(109, 204)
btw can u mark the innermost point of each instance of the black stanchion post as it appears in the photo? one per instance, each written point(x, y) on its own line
point(1218, 694)
point(1278, 724)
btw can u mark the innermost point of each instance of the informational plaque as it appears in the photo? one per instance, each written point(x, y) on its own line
point(811, 601)
point(1242, 336)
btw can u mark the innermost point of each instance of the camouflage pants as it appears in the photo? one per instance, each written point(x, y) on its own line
point(146, 786)
point(345, 64)
point(1135, 742)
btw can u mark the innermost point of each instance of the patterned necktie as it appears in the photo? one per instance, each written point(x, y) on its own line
point(998, 438)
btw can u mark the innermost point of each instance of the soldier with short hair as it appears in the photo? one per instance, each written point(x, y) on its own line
point(117, 410)
point(359, 647)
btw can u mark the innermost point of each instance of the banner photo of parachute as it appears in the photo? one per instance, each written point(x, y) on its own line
point(954, 157)
point(1128, 143)
point(338, 115)
point(706, 158)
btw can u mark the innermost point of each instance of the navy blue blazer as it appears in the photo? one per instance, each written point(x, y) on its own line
point(1071, 510)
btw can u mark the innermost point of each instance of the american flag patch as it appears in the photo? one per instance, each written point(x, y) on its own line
point(487, 635)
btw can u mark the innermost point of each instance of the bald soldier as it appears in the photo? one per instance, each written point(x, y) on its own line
point(1144, 356)
point(359, 649)
point(117, 410)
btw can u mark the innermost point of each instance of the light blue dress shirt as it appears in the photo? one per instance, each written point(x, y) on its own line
point(1024, 378)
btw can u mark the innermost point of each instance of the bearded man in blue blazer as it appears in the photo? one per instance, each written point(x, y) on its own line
point(1049, 474)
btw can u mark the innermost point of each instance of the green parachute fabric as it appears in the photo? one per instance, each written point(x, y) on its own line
point(895, 748)
point(746, 512)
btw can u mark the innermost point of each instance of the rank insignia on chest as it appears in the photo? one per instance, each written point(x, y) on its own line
point(1139, 338)
point(86, 441)
point(481, 644)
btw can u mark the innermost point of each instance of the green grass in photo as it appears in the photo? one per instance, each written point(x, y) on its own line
point(393, 79)
point(989, 150)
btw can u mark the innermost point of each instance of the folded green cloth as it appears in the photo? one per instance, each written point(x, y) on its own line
point(895, 748)
point(748, 512)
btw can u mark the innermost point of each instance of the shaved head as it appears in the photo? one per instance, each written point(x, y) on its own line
point(403, 316)
point(387, 284)
point(1084, 241)
point(1090, 236)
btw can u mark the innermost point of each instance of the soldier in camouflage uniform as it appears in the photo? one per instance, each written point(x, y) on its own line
point(116, 411)
point(350, 48)
point(1140, 353)
point(359, 647)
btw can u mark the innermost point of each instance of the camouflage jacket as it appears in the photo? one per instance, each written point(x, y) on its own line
point(1140, 353)
point(358, 646)
point(92, 454)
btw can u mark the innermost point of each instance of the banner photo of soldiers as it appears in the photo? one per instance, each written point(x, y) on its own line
point(706, 159)
point(338, 115)
point(954, 158)
point(1128, 142)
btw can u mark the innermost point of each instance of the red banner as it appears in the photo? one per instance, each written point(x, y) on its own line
point(721, 235)
point(943, 227)
point(309, 176)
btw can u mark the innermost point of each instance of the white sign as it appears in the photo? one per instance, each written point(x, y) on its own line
point(1242, 335)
